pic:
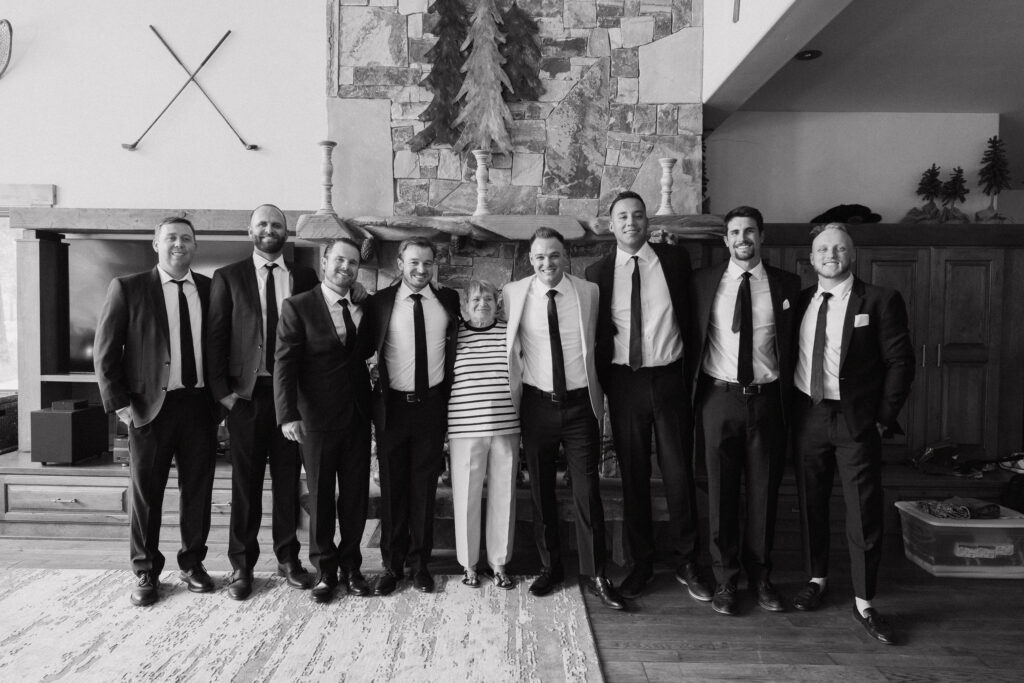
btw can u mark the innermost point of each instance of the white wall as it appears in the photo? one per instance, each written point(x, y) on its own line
point(88, 76)
point(794, 166)
point(726, 44)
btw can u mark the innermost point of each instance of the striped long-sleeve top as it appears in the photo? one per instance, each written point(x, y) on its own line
point(481, 401)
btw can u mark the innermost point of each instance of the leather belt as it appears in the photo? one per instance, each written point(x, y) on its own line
point(748, 390)
point(411, 397)
point(574, 395)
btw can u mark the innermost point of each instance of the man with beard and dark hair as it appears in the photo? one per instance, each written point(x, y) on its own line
point(853, 372)
point(743, 327)
point(246, 298)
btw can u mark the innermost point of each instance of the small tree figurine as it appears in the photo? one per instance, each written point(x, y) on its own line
point(954, 191)
point(993, 178)
point(445, 77)
point(929, 188)
point(522, 55)
point(485, 116)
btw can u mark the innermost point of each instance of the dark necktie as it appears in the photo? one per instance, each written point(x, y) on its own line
point(420, 327)
point(350, 326)
point(743, 322)
point(270, 338)
point(818, 352)
point(557, 359)
point(636, 321)
point(189, 378)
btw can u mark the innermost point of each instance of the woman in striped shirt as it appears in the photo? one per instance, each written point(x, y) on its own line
point(483, 438)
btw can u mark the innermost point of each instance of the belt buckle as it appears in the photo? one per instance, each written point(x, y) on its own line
point(751, 390)
point(411, 397)
point(553, 397)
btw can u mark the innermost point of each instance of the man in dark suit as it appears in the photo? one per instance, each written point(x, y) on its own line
point(416, 329)
point(642, 319)
point(853, 372)
point(742, 334)
point(148, 355)
point(245, 300)
point(322, 393)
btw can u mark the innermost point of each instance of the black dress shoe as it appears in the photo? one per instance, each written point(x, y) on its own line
point(632, 587)
point(295, 575)
point(768, 598)
point(423, 581)
point(354, 582)
point(724, 601)
point(606, 593)
point(145, 591)
point(197, 579)
point(386, 584)
point(689, 576)
point(876, 625)
point(240, 585)
point(323, 591)
point(546, 582)
point(809, 597)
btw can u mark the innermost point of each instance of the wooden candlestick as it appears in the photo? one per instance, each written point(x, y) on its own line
point(483, 181)
point(665, 208)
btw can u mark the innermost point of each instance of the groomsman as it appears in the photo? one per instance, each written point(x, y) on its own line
point(322, 395)
point(854, 371)
point(245, 300)
point(642, 318)
point(149, 360)
point(742, 339)
point(550, 337)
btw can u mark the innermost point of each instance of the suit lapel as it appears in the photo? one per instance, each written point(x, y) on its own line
point(852, 309)
point(387, 304)
point(157, 304)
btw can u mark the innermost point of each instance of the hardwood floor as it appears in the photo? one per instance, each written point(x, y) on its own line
point(952, 629)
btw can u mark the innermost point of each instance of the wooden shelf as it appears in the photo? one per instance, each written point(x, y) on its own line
point(74, 378)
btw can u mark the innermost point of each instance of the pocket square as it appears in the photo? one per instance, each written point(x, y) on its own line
point(861, 320)
point(785, 304)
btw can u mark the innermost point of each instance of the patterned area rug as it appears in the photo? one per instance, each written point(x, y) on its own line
point(78, 625)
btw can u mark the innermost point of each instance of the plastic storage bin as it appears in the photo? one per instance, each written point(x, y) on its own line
point(979, 548)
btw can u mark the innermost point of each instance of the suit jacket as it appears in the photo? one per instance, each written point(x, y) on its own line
point(317, 379)
point(675, 265)
point(589, 296)
point(235, 340)
point(382, 303)
point(876, 364)
point(785, 292)
point(132, 349)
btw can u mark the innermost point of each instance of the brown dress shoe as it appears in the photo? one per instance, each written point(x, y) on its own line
point(605, 592)
point(768, 598)
point(144, 592)
point(295, 575)
point(876, 625)
point(809, 597)
point(197, 580)
point(689, 576)
point(724, 601)
point(240, 585)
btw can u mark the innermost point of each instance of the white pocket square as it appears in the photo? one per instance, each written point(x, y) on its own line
point(861, 320)
point(785, 304)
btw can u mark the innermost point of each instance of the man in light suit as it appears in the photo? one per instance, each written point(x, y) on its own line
point(148, 355)
point(244, 302)
point(322, 394)
point(553, 377)
point(853, 372)
point(642, 320)
point(415, 332)
point(742, 335)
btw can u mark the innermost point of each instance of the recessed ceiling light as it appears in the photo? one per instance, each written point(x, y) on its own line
point(807, 55)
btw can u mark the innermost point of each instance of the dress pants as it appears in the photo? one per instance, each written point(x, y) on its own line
point(639, 401)
point(823, 445)
point(572, 425)
point(474, 459)
point(744, 444)
point(338, 477)
point(255, 440)
point(184, 430)
point(410, 453)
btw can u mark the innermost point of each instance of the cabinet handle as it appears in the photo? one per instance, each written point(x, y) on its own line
point(938, 359)
point(924, 355)
point(64, 500)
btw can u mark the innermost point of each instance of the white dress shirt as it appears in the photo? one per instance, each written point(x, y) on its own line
point(536, 342)
point(834, 319)
point(333, 300)
point(282, 290)
point(723, 348)
point(400, 342)
point(195, 318)
point(662, 342)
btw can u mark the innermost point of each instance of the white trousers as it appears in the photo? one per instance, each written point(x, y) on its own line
point(473, 459)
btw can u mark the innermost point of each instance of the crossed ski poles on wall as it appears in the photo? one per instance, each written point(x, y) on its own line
point(132, 146)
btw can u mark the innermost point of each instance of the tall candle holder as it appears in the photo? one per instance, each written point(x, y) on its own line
point(665, 208)
point(325, 223)
point(483, 181)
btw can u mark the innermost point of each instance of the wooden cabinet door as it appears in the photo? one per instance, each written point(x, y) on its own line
point(965, 327)
point(907, 270)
